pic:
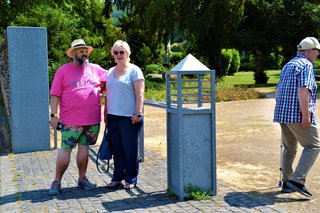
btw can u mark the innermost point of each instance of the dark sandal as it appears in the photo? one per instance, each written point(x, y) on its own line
point(129, 186)
point(114, 184)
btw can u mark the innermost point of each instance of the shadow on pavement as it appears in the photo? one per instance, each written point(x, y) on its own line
point(147, 200)
point(41, 195)
point(70, 194)
point(265, 199)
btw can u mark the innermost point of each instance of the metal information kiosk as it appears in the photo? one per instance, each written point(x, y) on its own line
point(191, 135)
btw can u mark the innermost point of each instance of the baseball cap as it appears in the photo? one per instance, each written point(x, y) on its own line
point(309, 43)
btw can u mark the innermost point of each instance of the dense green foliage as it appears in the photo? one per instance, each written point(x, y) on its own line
point(176, 57)
point(74, 19)
point(267, 30)
point(226, 58)
point(154, 69)
point(274, 61)
point(235, 62)
point(275, 26)
point(230, 61)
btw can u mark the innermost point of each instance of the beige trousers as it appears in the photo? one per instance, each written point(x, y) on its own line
point(308, 138)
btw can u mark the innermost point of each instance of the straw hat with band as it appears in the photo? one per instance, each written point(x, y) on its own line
point(76, 44)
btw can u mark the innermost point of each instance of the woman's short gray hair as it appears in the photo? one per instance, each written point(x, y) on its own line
point(124, 44)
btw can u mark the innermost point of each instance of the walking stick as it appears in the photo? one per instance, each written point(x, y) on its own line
point(281, 160)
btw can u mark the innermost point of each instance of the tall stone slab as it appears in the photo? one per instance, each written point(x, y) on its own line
point(29, 89)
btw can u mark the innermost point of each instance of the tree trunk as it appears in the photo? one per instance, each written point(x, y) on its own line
point(260, 76)
point(215, 63)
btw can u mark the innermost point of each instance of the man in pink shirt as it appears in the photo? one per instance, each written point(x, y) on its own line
point(76, 90)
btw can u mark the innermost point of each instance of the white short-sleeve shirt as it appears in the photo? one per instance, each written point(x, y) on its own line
point(121, 99)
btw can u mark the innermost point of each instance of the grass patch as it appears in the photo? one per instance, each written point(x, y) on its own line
point(239, 78)
point(246, 80)
point(196, 193)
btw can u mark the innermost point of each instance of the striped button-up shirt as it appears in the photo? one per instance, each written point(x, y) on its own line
point(295, 74)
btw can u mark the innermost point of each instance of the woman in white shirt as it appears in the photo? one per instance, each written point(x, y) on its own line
point(123, 115)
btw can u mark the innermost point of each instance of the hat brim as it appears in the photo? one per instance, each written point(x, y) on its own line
point(69, 51)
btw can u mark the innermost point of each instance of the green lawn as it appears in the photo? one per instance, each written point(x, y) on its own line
point(246, 79)
point(240, 86)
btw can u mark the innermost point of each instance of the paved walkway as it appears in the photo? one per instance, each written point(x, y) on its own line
point(25, 179)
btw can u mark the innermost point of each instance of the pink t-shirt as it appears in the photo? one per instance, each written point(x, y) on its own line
point(79, 90)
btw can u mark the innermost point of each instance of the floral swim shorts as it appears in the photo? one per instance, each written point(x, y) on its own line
point(84, 135)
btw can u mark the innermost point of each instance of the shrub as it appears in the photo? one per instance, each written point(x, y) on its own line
point(230, 61)
point(273, 61)
point(144, 56)
point(52, 68)
point(235, 62)
point(153, 69)
point(226, 58)
point(261, 77)
point(247, 62)
point(176, 57)
point(155, 85)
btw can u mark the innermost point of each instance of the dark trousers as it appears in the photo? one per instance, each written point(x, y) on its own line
point(124, 138)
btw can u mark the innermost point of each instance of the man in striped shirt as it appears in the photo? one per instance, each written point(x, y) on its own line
point(294, 110)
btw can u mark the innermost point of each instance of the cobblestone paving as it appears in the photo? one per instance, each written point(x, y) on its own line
point(25, 179)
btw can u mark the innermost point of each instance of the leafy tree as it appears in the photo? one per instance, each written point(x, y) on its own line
point(144, 56)
point(275, 27)
point(4, 16)
point(147, 24)
point(295, 21)
point(74, 20)
point(206, 24)
point(258, 38)
point(209, 25)
point(260, 27)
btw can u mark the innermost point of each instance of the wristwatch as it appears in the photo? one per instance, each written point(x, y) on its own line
point(139, 115)
point(53, 115)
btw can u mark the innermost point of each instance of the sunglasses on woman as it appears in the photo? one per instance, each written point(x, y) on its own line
point(118, 52)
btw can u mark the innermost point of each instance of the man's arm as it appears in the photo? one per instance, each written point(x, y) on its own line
point(54, 103)
point(304, 97)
